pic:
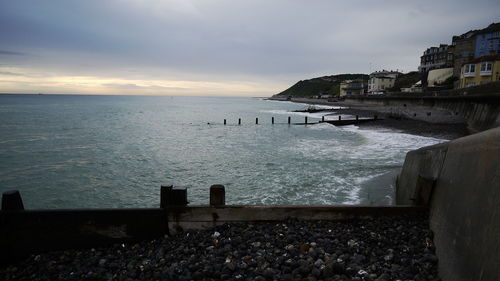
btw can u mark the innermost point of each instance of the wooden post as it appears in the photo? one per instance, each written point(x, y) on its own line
point(256, 121)
point(340, 117)
point(375, 117)
point(322, 118)
point(289, 119)
point(239, 121)
point(164, 193)
point(12, 201)
point(357, 117)
point(272, 120)
point(224, 121)
point(306, 120)
point(170, 196)
point(217, 195)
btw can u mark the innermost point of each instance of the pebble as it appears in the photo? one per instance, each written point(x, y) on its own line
point(380, 249)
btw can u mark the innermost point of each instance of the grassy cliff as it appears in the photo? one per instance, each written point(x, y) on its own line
point(405, 81)
point(326, 85)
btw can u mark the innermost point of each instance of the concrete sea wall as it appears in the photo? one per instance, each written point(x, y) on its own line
point(460, 182)
point(480, 111)
point(479, 106)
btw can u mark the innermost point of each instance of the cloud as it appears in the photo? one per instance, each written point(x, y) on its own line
point(10, 73)
point(271, 42)
point(131, 86)
point(10, 53)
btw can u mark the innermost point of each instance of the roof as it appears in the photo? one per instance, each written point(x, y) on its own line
point(485, 58)
point(494, 27)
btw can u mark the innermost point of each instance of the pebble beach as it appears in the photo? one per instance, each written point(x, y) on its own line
point(381, 249)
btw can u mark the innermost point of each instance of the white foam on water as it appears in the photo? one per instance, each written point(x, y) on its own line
point(368, 153)
point(292, 113)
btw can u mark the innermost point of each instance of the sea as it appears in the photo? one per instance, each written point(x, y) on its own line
point(77, 151)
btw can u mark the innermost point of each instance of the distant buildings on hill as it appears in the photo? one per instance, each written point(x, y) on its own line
point(350, 88)
point(470, 60)
point(380, 81)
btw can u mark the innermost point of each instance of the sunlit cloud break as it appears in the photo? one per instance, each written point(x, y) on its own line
point(18, 80)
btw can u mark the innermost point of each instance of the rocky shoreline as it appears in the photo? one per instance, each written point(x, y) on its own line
point(380, 249)
point(406, 119)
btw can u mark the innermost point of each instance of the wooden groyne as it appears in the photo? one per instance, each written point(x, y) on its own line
point(339, 122)
point(24, 232)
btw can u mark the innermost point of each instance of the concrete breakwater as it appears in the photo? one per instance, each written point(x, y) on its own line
point(459, 181)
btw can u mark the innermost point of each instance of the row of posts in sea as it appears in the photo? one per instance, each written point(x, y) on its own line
point(340, 121)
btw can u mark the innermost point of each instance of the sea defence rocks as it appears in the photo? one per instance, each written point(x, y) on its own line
point(380, 249)
point(461, 181)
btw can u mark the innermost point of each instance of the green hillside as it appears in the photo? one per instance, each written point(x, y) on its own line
point(405, 81)
point(326, 85)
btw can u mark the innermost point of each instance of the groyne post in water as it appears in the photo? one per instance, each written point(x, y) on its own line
point(256, 121)
point(305, 120)
point(357, 117)
point(224, 121)
point(217, 195)
point(239, 121)
point(323, 118)
point(170, 196)
point(375, 117)
point(272, 120)
point(289, 119)
point(340, 117)
point(12, 201)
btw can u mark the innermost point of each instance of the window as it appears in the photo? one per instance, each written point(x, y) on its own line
point(469, 69)
point(486, 68)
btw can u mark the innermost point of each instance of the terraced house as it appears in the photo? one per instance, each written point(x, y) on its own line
point(481, 70)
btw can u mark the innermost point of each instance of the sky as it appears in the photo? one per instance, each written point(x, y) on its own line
point(217, 47)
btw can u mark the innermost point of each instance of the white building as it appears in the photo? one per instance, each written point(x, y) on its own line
point(380, 81)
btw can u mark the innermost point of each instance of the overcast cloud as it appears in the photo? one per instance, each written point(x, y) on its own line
point(193, 47)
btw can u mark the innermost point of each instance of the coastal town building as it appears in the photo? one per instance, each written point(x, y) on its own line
point(436, 57)
point(352, 88)
point(482, 70)
point(380, 81)
point(487, 41)
point(463, 51)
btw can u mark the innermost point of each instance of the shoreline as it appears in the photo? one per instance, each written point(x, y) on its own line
point(439, 123)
